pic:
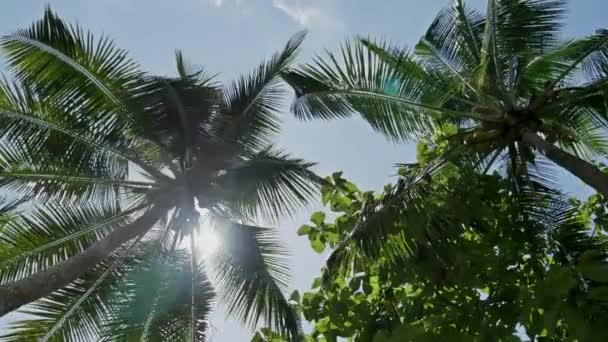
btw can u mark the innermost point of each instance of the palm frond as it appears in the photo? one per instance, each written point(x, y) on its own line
point(175, 113)
point(589, 55)
point(545, 68)
point(596, 65)
point(46, 236)
point(70, 68)
point(268, 183)
point(55, 184)
point(252, 273)
point(489, 71)
point(469, 24)
point(391, 100)
point(452, 43)
point(253, 101)
point(76, 312)
point(201, 297)
point(154, 303)
point(75, 84)
point(579, 131)
point(571, 240)
point(30, 123)
point(187, 70)
point(431, 86)
point(528, 27)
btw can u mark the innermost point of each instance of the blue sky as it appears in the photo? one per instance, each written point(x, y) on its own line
point(231, 36)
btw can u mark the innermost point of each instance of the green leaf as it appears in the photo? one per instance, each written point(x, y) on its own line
point(317, 245)
point(304, 230)
point(295, 296)
point(318, 218)
point(323, 325)
point(326, 196)
point(337, 176)
point(351, 187)
point(308, 298)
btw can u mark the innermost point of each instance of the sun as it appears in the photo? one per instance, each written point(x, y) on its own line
point(207, 240)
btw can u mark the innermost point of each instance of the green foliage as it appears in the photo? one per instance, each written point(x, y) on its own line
point(478, 266)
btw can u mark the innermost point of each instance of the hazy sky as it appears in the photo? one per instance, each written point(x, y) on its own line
point(231, 36)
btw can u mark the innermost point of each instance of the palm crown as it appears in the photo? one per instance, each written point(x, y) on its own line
point(111, 168)
point(505, 79)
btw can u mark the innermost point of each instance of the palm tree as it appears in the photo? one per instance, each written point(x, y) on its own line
point(512, 87)
point(115, 168)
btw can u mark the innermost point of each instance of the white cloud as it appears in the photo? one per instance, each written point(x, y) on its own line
point(220, 3)
point(307, 16)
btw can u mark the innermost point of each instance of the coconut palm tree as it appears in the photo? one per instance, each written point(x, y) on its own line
point(513, 87)
point(120, 174)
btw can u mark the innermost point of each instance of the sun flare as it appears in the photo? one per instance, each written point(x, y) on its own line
point(208, 241)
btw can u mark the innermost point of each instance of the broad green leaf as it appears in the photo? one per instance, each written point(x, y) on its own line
point(318, 218)
point(304, 230)
point(317, 245)
point(351, 187)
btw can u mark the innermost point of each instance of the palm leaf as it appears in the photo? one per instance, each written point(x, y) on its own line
point(30, 123)
point(252, 102)
point(590, 53)
point(46, 236)
point(87, 79)
point(155, 302)
point(578, 132)
point(360, 82)
point(270, 183)
point(251, 273)
point(489, 71)
point(77, 311)
point(201, 296)
point(175, 112)
point(430, 85)
point(59, 185)
point(452, 43)
point(528, 28)
point(469, 24)
point(71, 68)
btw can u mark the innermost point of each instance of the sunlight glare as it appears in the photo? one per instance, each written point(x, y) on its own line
point(207, 240)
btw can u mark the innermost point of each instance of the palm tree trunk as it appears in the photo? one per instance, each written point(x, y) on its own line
point(36, 286)
point(585, 171)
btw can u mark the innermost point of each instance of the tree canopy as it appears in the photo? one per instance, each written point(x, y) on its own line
point(465, 261)
point(517, 91)
point(113, 171)
point(108, 171)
